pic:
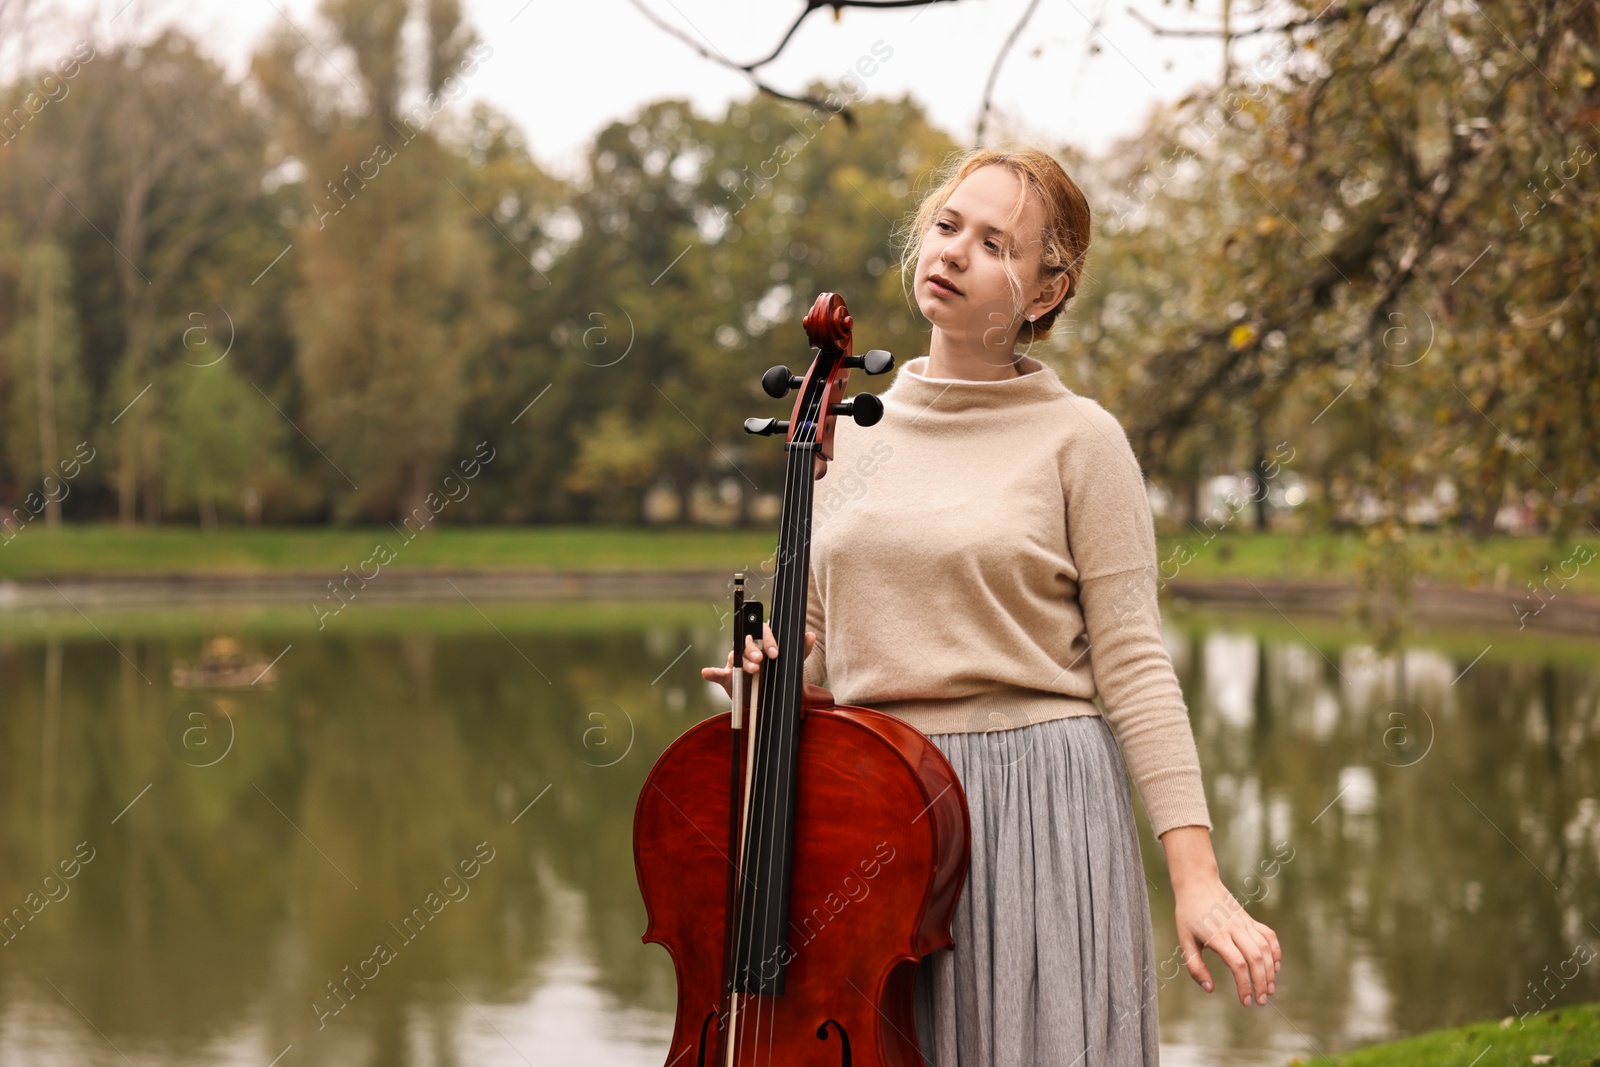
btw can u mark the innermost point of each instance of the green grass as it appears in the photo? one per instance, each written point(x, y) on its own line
point(105, 549)
point(373, 618)
point(1569, 1036)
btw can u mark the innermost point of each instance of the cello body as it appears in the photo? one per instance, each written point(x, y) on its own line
point(797, 861)
point(880, 854)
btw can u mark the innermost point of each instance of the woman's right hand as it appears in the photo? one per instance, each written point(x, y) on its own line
point(753, 655)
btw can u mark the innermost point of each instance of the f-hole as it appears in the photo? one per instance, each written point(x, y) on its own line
point(705, 1034)
point(844, 1039)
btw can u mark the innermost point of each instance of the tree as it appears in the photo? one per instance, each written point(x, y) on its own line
point(829, 218)
point(1336, 231)
point(47, 397)
point(220, 441)
point(711, 239)
point(621, 292)
point(510, 382)
point(392, 296)
point(146, 172)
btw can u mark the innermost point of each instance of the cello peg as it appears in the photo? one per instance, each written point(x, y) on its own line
point(866, 409)
point(766, 426)
point(875, 361)
point(777, 382)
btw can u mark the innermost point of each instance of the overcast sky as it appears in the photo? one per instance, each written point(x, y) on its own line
point(1084, 71)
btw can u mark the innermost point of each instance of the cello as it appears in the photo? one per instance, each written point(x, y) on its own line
point(796, 860)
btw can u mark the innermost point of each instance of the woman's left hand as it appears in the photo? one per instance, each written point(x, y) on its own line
point(1210, 917)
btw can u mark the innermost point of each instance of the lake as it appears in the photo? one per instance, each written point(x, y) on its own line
point(206, 876)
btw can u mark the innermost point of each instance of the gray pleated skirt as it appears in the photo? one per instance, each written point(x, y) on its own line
point(1054, 958)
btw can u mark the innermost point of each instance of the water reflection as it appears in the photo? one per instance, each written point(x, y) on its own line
point(416, 848)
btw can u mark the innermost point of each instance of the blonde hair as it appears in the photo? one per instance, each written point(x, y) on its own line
point(1064, 240)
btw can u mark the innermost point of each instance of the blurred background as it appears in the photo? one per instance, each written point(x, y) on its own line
point(372, 469)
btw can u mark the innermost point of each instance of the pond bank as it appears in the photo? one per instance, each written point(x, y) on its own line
point(1431, 603)
point(1570, 613)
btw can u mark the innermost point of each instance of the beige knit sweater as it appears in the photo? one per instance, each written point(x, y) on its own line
point(984, 558)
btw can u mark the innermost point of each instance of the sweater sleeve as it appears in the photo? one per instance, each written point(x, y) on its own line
point(1144, 704)
point(816, 669)
point(1111, 536)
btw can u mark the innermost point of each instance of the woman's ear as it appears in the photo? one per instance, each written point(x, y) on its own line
point(1049, 295)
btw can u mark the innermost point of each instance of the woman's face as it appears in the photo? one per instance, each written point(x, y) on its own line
point(961, 282)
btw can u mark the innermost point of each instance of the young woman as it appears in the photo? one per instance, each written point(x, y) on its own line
point(993, 575)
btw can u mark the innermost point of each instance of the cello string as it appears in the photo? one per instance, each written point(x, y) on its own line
point(759, 823)
point(776, 749)
point(786, 743)
point(761, 802)
point(770, 736)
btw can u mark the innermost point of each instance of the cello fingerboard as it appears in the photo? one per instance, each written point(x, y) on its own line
point(758, 951)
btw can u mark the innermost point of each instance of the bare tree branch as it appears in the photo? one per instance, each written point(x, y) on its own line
point(838, 6)
point(749, 69)
point(783, 42)
point(994, 71)
point(1322, 19)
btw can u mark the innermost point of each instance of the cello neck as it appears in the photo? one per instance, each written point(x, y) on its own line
point(791, 579)
point(759, 954)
